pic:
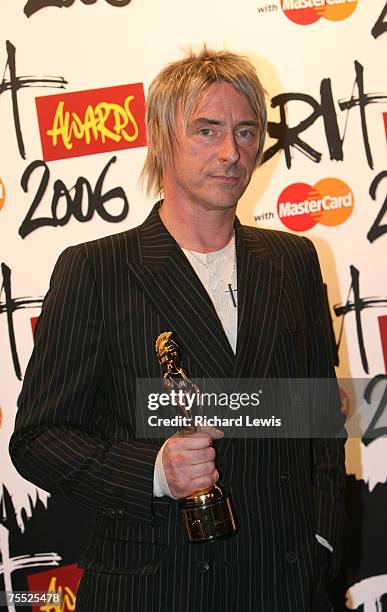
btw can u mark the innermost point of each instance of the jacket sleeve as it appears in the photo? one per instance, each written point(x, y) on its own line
point(57, 443)
point(328, 454)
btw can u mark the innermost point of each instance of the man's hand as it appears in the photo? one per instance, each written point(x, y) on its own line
point(189, 461)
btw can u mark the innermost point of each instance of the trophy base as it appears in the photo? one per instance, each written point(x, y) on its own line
point(207, 516)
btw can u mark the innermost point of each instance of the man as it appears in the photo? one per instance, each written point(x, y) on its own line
point(244, 303)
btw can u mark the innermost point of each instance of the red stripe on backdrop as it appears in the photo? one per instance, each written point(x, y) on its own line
point(33, 324)
point(383, 337)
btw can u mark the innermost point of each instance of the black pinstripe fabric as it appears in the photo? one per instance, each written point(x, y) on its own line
point(74, 436)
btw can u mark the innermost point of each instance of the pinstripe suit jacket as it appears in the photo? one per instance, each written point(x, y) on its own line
point(108, 301)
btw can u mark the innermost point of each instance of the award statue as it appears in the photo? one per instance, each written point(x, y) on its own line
point(207, 514)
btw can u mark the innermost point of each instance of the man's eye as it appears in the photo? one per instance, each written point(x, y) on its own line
point(246, 133)
point(206, 131)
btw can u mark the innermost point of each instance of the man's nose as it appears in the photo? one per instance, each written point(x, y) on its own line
point(228, 151)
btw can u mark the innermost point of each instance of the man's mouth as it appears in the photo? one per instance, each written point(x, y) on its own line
point(222, 178)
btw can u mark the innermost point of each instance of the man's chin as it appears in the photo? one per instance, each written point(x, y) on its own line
point(219, 204)
point(222, 199)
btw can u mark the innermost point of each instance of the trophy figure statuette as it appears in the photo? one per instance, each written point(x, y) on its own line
point(207, 515)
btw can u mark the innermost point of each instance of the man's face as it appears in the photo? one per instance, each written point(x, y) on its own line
point(213, 159)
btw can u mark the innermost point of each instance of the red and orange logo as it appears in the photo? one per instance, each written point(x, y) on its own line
point(92, 121)
point(305, 12)
point(2, 194)
point(63, 580)
point(300, 206)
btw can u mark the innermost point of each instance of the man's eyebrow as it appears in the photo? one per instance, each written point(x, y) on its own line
point(208, 121)
point(202, 120)
point(250, 122)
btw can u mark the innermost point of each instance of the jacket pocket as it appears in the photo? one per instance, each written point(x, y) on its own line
point(123, 557)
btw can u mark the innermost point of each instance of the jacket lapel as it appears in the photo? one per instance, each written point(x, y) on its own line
point(168, 279)
point(260, 282)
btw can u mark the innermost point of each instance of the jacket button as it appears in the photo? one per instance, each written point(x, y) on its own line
point(285, 477)
point(203, 566)
point(112, 512)
point(291, 557)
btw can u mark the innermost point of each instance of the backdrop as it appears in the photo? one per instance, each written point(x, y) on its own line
point(73, 78)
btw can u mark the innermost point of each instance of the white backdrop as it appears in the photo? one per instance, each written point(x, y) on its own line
point(64, 46)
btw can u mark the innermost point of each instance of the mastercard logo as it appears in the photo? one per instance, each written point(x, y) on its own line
point(2, 194)
point(300, 206)
point(305, 12)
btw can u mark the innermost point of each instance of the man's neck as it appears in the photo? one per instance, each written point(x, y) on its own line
point(198, 229)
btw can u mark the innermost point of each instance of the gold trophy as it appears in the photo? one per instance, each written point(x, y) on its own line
point(207, 515)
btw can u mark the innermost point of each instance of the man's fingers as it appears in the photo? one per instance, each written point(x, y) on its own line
point(202, 470)
point(199, 439)
point(216, 434)
point(203, 482)
point(189, 462)
point(196, 484)
point(179, 456)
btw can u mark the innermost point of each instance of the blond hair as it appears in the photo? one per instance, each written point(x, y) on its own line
point(186, 81)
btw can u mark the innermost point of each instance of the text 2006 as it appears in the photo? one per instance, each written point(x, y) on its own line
point(81, 204)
